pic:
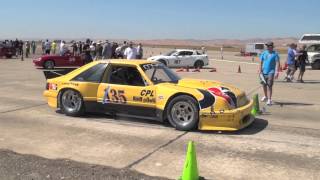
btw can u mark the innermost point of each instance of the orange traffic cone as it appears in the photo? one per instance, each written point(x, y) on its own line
point(239, 69)
point(196, 70)
point(180, 70)
point(213, 70)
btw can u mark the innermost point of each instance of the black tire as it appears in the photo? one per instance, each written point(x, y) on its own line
point(71, 103)
point(163, 62)
point(49, 64)
point(8, 56)
point(315, 65)
point(198, 64)
point(183, 113)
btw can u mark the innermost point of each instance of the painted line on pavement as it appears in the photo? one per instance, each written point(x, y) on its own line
point(23, 108)
point(241, 62)
point(154, 151)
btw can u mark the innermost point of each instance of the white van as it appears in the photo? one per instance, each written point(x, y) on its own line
point(254, 49)
point(313, 47)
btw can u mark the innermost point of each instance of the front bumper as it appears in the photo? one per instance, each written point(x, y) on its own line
point(231, 120)
point(51, 98)
point(37, 63)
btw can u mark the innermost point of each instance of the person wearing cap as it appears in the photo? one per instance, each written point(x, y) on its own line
point(130, 52)
point(107, 50)
point(269, 61)
point(291, 61)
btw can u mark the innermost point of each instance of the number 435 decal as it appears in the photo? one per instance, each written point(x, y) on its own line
point(114, 96)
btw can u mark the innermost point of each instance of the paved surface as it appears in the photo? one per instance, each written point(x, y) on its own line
point(284, 143)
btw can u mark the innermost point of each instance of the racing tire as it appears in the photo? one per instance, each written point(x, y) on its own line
point(198, 64)
point(315, 65)
point(183, 113)
point(163, 62)
point(71, 103)
point(48, 64)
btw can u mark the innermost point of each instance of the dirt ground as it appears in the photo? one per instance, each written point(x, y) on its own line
point(282, 143)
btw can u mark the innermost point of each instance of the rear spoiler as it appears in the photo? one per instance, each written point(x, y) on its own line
point(53, 73)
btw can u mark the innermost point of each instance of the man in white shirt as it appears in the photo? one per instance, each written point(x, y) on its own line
point(130, 52)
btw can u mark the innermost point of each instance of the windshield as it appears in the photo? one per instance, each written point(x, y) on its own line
point(158, 73)
point(170, 53)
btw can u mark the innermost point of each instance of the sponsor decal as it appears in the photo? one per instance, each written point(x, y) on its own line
point(225, 94)
point(161, 97)
point(114, 96)
point(71, 83)
point(147, 93)
point(144, 99)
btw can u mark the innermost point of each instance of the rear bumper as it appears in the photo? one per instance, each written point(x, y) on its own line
point(231, 120)
point(37, 63)
point(51, 98)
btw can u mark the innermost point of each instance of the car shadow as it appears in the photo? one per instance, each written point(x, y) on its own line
point(255, 127)
point(281, 103)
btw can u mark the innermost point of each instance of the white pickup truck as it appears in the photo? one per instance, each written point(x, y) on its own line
point(313, 48)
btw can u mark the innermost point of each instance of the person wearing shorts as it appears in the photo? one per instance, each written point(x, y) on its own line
point(267, 69)
point(302, 61)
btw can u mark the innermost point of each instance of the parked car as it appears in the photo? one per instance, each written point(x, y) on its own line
point(7, 51)
point(182, 58)
point(53, 61)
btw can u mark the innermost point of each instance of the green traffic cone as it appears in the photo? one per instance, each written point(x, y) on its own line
point(256, 108)
point(190, 169)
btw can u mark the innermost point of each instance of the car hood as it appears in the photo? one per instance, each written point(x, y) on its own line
point(156, 57)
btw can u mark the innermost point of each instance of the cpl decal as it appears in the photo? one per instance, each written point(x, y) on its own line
point(225, 94)
point(146, 96)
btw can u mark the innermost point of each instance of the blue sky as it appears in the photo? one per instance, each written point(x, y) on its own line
point(158, 19)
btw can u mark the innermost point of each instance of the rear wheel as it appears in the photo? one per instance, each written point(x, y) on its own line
point(48, 64)
point(316, 65)
point(198, 64)
point(8, 56)
point(183, 113)
point(72, 103)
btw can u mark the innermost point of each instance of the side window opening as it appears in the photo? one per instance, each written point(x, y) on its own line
point(93, 74)
point(125, 75)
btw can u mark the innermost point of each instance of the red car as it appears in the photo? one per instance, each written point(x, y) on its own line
point(7, 51)
point(52, 61)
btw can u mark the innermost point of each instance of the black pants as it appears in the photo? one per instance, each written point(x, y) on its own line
point(47, 51)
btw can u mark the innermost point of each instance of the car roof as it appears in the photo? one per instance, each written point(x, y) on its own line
point(185, 50)
point(125, 61)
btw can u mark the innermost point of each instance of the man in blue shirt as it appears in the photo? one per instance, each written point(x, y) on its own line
point(267, 69)
point(291, 61)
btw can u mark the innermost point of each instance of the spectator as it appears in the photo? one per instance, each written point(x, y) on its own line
point(114, 47)
point(203, 49)
point(267, 69)
point(302, 61)
point(139, 51)
point(47, 46)
point(34, 47)
point(130, 52)
point(93, 49)
point(43, 47)
point(27, 45)
point(16, 45)
point(63, 48)
point(79, 44)
point(107, 50)
point(21, 49)
point(53, 47)
point(292, 54)
point(86, 50)
point(122, 49)
point(99, 49)
point(74, 48)
point(221, 52)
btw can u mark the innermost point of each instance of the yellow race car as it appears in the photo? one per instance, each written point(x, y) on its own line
point(149, 90)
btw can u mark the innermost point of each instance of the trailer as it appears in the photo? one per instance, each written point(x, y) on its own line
point(254, 49)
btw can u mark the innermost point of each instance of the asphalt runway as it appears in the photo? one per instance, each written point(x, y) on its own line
point(283, 143)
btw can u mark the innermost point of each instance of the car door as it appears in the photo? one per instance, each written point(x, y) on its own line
point(184, 59)
point(124, 91)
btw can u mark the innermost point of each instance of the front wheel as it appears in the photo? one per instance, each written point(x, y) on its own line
point(183, 113)
point(198, 64)
point(49, 64)
point(72, 103)
point(315, 65)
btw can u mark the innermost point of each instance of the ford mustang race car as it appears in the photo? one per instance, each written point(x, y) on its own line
point(149, 90)
point(182, 58)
